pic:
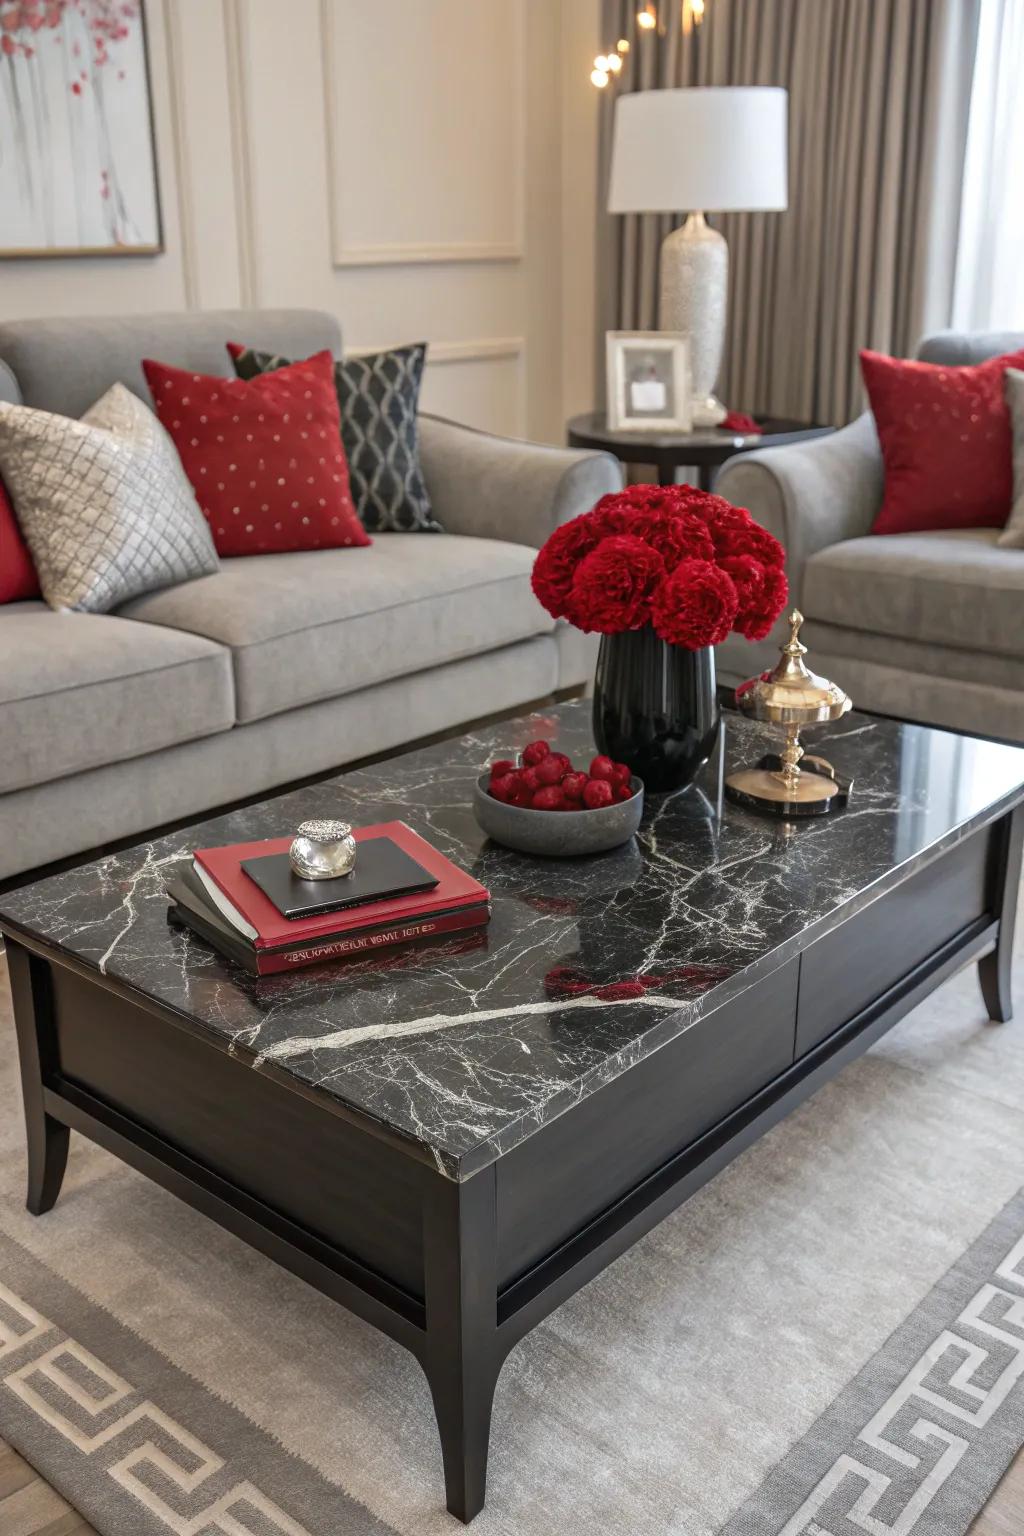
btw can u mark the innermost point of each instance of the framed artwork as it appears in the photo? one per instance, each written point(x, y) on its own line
point(78, 165)
point(648, 374)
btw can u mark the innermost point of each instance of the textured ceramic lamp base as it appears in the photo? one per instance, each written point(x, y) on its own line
point(694, 287)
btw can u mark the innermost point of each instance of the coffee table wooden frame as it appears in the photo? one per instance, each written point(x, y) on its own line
point(485, 1260)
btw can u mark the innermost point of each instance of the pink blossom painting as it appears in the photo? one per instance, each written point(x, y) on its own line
point(77, 163)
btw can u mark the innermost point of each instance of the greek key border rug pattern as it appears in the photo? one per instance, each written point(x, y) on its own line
point(918, 1441)
point(143, 1462)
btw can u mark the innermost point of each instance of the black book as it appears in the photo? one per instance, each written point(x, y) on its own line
point(382, 870)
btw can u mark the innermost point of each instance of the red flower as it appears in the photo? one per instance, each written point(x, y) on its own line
point(681, 558)
point(675, 535)
point(751, 540)
point(756, 623)
point(614, 584)
point(555, 566)
point(696, 606)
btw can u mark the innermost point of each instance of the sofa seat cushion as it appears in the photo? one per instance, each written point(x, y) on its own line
point(321, 623)
point(956, 589)
point(79, 690)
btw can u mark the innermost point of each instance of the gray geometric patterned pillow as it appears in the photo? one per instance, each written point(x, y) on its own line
point(104, 504)
point(1012, 536)
point(378, 394)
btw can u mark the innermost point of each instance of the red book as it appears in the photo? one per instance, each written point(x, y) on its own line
point(359, 945)
point(454, 891)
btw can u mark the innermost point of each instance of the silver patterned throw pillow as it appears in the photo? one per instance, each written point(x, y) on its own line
point(104, 504)
point(1012, 536)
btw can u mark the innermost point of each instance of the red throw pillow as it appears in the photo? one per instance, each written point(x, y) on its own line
point(946, 442)
point(18, 579)
point(264, 456)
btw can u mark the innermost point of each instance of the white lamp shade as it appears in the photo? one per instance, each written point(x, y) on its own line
point(702, 148)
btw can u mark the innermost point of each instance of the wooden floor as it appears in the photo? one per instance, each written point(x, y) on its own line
point(29, 1507)
point(1003, 1515)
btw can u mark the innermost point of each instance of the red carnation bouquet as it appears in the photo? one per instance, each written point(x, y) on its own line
point(688, 563)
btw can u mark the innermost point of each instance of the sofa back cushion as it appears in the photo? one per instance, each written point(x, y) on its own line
point(64, 365)
point(959, 349)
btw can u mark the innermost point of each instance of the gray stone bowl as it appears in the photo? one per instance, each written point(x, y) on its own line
point(558, 834)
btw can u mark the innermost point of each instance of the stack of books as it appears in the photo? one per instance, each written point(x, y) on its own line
point(246, 901)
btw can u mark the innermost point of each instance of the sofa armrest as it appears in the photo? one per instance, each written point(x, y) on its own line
point(500, 488)
point(812, 494)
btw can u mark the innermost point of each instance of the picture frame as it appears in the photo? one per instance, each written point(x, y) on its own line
point(76, 102)
point(648, 381)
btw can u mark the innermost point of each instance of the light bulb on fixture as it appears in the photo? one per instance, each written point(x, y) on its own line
point(599, 77)
point(614, 63)
point(697, 11)
point(647, 18)
point(601, 63)
point(623, 45)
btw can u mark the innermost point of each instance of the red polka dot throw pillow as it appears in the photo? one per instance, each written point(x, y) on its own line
point(264, 456)
point(946, 442)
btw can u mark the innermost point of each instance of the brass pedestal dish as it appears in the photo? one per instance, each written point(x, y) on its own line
point(793, 697)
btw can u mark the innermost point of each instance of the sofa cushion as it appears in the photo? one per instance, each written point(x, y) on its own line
point(103, 502)
point(265, 459)
point(78, 690)
point(321, 623)
point(956, 588)
point(378, 396)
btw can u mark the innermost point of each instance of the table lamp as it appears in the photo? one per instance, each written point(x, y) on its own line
point(701, 148)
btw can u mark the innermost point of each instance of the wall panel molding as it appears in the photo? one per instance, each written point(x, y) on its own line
point(348, 253)
point(241, 160)
point(478, 350)
point(182, 158)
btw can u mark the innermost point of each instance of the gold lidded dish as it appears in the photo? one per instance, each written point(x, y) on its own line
point(791, 696)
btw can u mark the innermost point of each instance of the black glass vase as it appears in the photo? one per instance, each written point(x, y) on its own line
point(655, 707)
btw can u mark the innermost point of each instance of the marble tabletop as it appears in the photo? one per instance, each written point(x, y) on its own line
point(459, 1051)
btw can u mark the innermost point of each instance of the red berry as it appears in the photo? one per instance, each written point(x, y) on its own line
point(622, 774)
point(535, 753)
point(623, 792)
point(602, 768)
point(531, 778)
point(573, 785)
point(550, 798)
point(597, 793)
point(501, 789)
point(501, 768)
point(552, 770)
point(521, 796)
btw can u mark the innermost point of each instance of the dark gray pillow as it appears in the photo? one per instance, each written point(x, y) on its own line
point(1012, 536)
point(378, 394)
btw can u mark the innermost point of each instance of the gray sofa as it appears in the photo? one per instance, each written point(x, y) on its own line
point(927, 626)
point(278, 666)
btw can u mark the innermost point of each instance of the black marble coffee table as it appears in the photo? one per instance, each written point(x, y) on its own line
point(453, 1140)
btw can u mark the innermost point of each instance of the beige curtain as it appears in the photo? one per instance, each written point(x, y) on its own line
point(864, 255)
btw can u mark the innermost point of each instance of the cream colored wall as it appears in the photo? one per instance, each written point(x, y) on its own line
point(423, 168)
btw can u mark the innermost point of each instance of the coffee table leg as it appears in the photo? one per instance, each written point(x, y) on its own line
point(994, 970)
point(461, 1359)
point(37, 1050)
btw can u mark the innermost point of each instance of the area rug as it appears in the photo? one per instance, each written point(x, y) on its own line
point(827, 1340)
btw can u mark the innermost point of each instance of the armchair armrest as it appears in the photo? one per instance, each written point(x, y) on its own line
point(500, 488)
point(812, 494)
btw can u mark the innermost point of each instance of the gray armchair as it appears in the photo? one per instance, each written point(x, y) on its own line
point(925, 626)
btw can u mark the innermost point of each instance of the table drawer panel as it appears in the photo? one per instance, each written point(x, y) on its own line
point(350, 1189)
point(550, 1186)
point(855, 964)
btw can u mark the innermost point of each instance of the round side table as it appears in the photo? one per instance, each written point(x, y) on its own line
point(705, 449)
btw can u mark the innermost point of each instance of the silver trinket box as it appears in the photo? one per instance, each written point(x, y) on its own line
point(323, 850)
